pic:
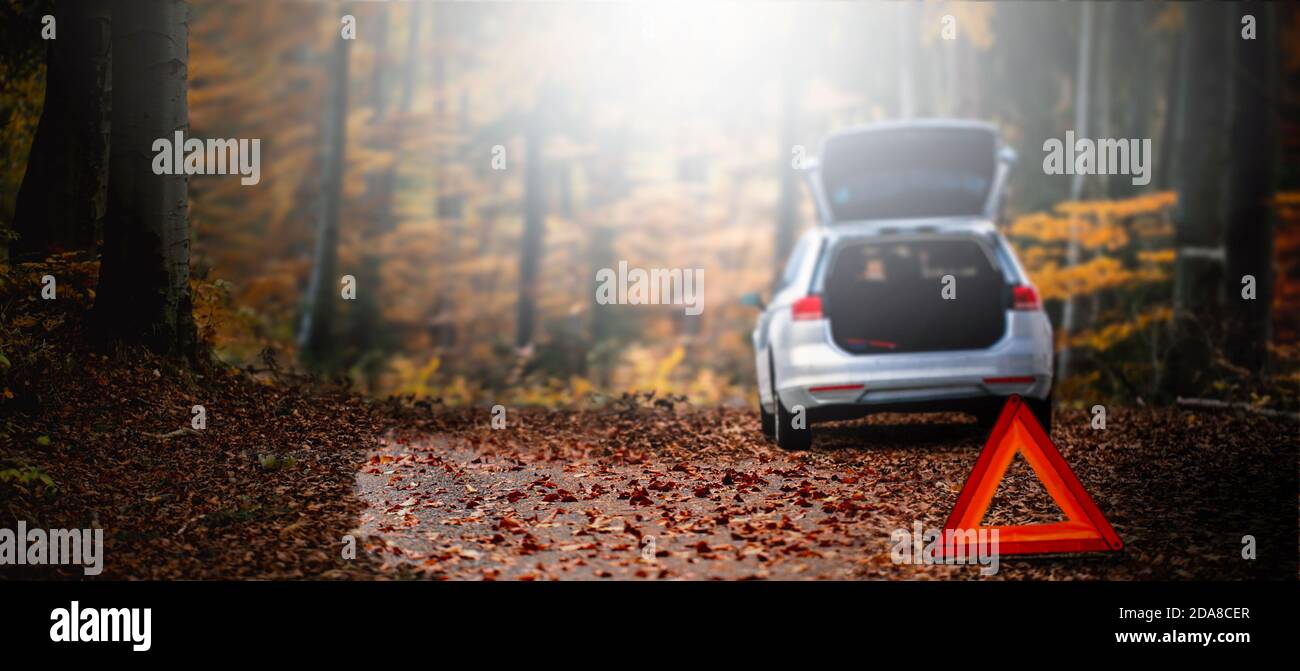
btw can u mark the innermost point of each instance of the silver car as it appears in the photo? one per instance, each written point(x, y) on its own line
point(905, 297)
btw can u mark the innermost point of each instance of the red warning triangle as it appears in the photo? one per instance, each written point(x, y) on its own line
point(1085, 529)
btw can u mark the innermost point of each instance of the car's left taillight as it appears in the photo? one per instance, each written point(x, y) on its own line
point(1025, 297)
point(807, 308)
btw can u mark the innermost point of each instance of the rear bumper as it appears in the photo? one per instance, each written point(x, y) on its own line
point(814, 373)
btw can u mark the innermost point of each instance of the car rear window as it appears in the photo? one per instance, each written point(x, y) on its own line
point(887, 295)
point(909, 173)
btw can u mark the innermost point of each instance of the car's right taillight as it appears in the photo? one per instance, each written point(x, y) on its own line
point(806, 308)
point(1024, 297)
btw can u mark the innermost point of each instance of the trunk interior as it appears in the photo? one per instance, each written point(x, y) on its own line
point(885, 296)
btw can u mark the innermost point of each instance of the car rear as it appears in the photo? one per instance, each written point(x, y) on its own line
point(914, 300)
point(924, 318)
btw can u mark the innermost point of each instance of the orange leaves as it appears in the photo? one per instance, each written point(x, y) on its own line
point(1286, 251)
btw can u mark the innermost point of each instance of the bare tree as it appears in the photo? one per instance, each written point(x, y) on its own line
point(787, 215)
point(315, 330)
point(530, 247)
point(1248, 232)
point(1082, 82)
point(62, 199)
point(1202, 123)
point(144, 291)
point(1202, 126)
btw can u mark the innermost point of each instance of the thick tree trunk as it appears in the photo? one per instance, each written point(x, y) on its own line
point(1204, 157)
point(1202, 162)
point(144, 291)
point(1249, 235)
point(61, 203)
point(315, 330)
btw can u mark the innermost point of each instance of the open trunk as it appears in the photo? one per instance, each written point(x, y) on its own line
point(885, 296)
point(910, 171)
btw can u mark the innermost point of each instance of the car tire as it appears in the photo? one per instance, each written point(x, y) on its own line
point(788, 437)
point(1042, 409)
point(767, 421)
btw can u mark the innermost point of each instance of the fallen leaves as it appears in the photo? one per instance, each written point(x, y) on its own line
point(697, 494)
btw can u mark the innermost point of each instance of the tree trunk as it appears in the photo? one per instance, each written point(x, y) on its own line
point(438, 77)
point(315, 332)
point(1202, 124)
point(61, 202)
point(364, 317)
point(144, 291)
point(1249, 235)
point(1203, 161)
point(787, 215)
point(1136, 95)
point(1082, 82)
point(530, 248)
point(1104, 82)
point(1164, 167)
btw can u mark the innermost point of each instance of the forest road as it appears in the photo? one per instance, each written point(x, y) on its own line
point(653, 493)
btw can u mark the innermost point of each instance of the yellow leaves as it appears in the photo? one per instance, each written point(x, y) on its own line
point(579, 387)
point(667, 365)
point(1096, 274)
point(1041, 227)
point(1107, 336)
point(1092, 234)
point(413, 379)
point(1146, 204)
point(1105, 231)
point(1158, 256)
point(1098, 224)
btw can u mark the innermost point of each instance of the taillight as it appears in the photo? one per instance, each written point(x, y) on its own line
point(1024, 297)
point(808, 307)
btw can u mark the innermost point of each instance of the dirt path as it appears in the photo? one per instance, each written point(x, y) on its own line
point(649, 493)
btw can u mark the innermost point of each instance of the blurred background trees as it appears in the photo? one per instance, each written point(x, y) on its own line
point(472, 165)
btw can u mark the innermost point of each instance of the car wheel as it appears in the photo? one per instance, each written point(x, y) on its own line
point(767, 420)
point(788, 437)
point(1042, 410)
point(987, 417)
